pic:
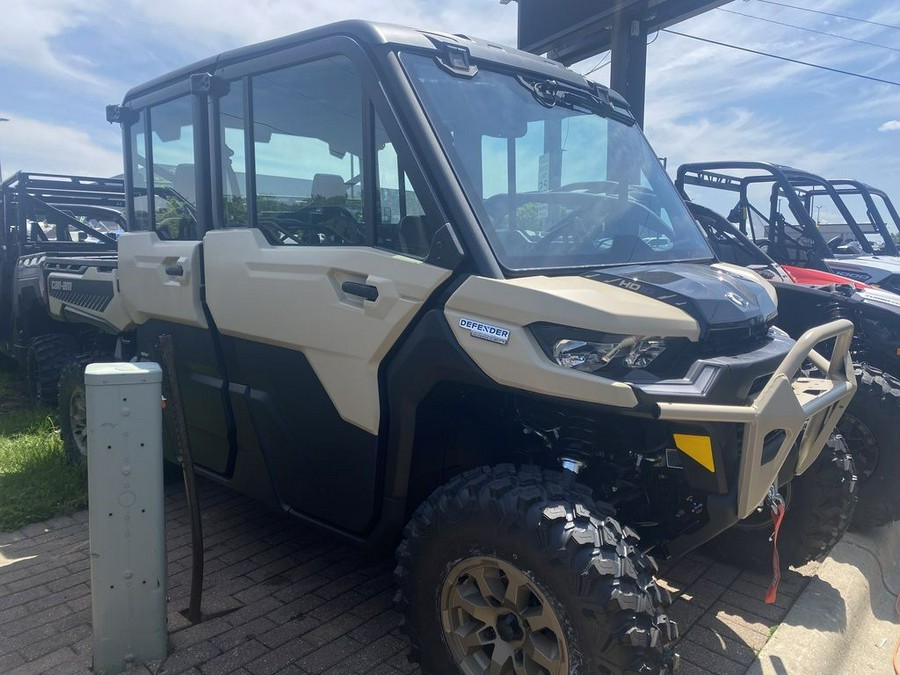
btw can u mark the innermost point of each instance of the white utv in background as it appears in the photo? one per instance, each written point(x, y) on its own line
point(422, 283)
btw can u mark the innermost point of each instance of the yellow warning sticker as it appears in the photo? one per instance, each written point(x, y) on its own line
point(698, 448)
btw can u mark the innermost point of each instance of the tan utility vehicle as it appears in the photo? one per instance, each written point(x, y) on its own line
point(427, 286)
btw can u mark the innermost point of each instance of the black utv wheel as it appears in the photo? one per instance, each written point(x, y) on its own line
point(871, 427)
point(73, 405)
point(516, 571)
point(46, 355)
point(820, 505)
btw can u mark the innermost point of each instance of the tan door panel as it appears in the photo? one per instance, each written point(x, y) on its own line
point(292, 296)
point(159, 279)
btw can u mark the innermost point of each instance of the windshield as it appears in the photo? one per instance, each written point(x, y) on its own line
point(558, 177)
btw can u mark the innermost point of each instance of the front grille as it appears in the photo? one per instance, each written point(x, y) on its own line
point(722, 340)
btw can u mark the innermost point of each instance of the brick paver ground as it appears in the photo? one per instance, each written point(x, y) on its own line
point(283, 598)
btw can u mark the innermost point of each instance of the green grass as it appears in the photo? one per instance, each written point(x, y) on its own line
point(36, 480)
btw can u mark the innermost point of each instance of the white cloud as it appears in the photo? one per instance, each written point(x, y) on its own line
point(212, 26)
point(38, 146)
point(893, 125)
point(30, 33)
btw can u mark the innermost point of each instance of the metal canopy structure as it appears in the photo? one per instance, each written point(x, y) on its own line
point(573, 30)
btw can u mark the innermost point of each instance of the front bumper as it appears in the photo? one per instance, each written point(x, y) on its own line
point(803, 411)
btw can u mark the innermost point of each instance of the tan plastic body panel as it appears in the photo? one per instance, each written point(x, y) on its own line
point(149, 291)
point(291, 296)
point(570, 301)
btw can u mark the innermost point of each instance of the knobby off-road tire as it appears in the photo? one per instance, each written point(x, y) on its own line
point(520, 569)
point(73, 405)
point(871, 428)
point(46, 356)
point(820, 506)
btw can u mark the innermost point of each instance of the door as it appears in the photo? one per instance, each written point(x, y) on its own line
point(160, 275)
point(313, 283)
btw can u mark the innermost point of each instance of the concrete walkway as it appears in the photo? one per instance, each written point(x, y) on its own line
point(845, 622)
point(282, 598)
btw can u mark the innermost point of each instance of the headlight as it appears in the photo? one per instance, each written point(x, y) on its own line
point(588, 356)
point(644, 352)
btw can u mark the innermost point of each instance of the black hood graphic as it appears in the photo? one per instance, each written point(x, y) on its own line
point(713, 297)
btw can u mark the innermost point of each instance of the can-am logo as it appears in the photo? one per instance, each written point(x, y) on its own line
point(737, 299)
point(485, 331)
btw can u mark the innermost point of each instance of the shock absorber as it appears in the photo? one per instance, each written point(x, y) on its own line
point(836, 310)
point(577, 441)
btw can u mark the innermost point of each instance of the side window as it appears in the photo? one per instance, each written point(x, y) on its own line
point(172, 144)
point(234, 162)
point(402, 224)
point(308, 139)
point(138, 168)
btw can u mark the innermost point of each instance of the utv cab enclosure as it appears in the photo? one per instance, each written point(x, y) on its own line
point(420, 279)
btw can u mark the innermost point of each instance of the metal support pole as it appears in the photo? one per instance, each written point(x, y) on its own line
point(628, 69)
point(173, 405)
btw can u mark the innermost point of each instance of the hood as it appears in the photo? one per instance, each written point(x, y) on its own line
point(806, 276)
point(715, 298)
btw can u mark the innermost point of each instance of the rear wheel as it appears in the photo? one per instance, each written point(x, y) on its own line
point(820, 505)
point(871, 427)
point(519, 571)
point(73, 405)
point(46, 356)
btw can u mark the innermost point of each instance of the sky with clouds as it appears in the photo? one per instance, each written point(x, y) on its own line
point(62, 61)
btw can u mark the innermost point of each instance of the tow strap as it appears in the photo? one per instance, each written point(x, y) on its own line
point(778, 507)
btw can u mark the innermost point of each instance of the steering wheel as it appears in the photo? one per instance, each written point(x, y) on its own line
point(650, 220)
point(334, 219)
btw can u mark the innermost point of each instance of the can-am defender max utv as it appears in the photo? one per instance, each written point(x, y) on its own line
point(442, 287)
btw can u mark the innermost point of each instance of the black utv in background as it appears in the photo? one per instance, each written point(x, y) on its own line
point(46, 221)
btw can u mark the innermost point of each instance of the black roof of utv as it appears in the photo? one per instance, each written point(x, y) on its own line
point(372, 35)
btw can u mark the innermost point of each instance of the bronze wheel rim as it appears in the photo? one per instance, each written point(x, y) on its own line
point(78, 421)
point(497, 621)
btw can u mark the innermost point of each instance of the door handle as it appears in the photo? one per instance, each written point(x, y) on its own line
point(364, 291)
point(174, 271)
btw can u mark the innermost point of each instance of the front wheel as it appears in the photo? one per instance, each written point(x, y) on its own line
point(820, 505)
point(73, 405)
point(519, 571)
point(871, 427)
point(46, 355)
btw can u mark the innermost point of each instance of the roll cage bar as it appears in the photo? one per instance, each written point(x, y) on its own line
point(26, 194)
point(846, 186)
point(787, 182)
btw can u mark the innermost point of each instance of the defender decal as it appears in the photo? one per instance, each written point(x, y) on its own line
point(485, 331)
